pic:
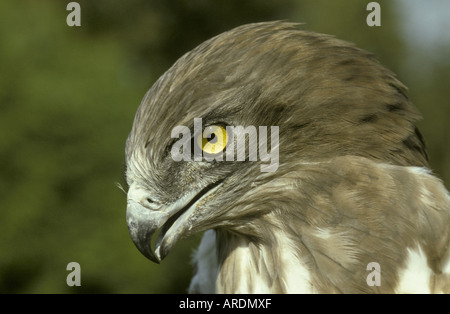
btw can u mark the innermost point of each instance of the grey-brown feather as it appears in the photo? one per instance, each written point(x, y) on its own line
point(333, 95)
point(347, 132)
point(373, 211)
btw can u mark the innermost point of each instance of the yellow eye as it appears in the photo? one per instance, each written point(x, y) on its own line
point(213, 140)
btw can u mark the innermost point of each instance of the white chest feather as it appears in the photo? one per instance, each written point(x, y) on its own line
point(250, 272)
point(418, 278)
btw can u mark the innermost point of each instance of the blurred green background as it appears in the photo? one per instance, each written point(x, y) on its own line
point(68, 96)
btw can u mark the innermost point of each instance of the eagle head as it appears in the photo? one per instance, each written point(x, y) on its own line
point(317, 97)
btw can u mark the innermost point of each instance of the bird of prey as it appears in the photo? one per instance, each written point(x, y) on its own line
point(351, 198)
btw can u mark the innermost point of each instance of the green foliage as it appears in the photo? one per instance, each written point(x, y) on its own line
point(68, 96)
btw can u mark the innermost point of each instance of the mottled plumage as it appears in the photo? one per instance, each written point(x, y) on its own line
point(352, 186)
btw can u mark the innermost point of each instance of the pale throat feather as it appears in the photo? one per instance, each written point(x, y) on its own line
point(245, 267)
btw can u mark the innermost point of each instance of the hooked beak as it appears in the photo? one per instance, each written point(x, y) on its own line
point(142, 225)
point(171, 222)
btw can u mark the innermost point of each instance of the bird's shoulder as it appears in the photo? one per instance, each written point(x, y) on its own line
point(355, 211)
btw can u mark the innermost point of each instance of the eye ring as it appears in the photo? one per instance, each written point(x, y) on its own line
point(213, 139)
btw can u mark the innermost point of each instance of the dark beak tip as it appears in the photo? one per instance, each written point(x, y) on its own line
point(161, 252)
point(155, 260)
point(148, 253)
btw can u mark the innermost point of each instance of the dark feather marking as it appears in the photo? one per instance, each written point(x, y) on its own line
point(398, 89)
point(422, 142)
point(369, 118)
point(347, 62)
point(411, 143)
point(394, 107)
point(351, 78)
point(297, 127)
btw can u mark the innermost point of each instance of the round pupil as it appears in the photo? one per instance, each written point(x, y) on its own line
point(212, 138)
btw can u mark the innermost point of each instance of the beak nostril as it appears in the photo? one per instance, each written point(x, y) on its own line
point(142, 196)
point(151, 203)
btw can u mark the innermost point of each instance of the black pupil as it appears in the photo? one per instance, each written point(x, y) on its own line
point(212, 138)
